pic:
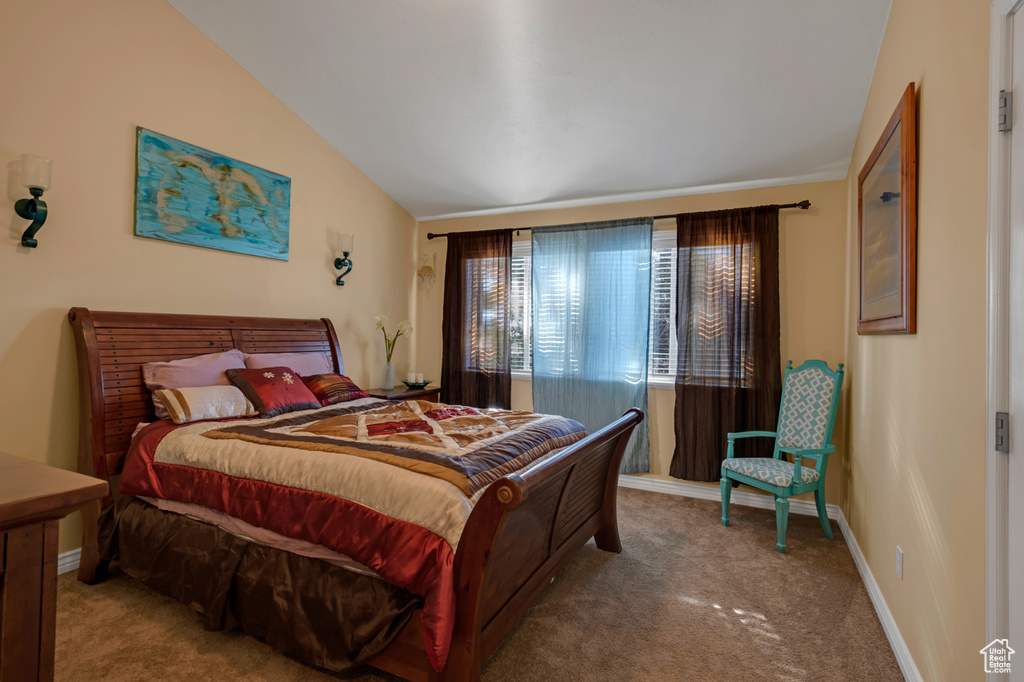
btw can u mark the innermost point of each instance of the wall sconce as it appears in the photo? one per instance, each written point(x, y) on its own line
point(344, 263)
point(35, 174)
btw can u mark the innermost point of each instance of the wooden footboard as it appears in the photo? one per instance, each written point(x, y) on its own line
point(522, 531)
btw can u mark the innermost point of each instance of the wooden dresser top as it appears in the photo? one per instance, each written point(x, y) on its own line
point(30, 490)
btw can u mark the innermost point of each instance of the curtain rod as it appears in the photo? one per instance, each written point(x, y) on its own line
point(802, 205)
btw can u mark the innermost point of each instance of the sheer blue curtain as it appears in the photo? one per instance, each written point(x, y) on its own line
point(591, 311)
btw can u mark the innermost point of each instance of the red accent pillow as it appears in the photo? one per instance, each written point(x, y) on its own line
point(333, 388)
point(273, 390)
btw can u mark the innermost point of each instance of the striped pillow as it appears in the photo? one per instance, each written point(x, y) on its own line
point(330, 389)
point(187, 405)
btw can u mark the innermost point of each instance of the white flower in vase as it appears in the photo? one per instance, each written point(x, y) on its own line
point(404, 329)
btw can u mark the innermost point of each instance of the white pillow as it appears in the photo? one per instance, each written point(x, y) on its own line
point(194, 404)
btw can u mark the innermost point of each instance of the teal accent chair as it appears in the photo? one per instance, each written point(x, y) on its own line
point(810, 400)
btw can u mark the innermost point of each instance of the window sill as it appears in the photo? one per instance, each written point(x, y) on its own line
point(660, 383)
point(663, 383)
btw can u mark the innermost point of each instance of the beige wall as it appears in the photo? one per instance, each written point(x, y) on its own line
point(917, 403)
point(77, 78)
point(812, 256)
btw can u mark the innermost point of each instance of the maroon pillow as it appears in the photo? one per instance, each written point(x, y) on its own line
point(273, 390)
point(333, 388)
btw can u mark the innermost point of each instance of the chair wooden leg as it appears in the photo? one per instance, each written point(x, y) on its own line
point(781, 519)
point(726, 494)
point(819, 500)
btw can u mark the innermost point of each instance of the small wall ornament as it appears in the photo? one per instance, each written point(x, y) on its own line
point(426, 270)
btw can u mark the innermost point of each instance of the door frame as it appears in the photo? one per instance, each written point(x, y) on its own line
point(997, 615)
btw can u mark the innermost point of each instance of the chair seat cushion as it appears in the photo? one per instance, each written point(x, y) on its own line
point(774, 471)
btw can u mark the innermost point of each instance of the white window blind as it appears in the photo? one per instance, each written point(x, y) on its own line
point(519, 313)
point(661, 360)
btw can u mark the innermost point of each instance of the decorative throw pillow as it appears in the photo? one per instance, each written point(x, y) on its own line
point(202, 370)
point(305, 364)
point(205, 402)
point(333, 388)
point(274, 390)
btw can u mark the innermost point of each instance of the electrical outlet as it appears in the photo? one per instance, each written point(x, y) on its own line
point(899, 561)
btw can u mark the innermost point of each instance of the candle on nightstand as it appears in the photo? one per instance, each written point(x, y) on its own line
point(411, 377)
point(419, 378)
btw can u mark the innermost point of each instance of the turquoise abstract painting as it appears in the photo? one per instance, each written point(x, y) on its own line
point(190, 195)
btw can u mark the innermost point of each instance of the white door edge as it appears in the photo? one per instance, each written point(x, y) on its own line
point(997, 353)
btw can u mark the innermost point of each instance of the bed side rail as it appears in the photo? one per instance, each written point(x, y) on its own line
point(525, 527)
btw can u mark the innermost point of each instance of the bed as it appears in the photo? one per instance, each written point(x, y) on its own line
point(522, 529)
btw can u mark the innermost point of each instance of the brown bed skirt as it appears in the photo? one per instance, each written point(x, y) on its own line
point(309, 609)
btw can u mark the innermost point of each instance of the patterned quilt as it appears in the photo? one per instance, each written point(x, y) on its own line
point(465, 446)
point(389, 484)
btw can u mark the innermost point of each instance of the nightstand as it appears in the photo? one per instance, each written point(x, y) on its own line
point(33, 499)
point(400, 392)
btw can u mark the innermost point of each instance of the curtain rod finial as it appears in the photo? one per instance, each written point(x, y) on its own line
point(804, 205)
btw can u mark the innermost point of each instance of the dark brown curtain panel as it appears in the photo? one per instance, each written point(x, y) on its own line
point(729, 374)
point(476, 363)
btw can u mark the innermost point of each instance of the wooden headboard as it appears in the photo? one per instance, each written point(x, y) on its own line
point(112, 348)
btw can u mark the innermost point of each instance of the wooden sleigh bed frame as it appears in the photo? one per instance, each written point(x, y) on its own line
point(524, 528)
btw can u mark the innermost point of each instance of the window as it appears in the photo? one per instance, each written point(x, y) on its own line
point(714, 275)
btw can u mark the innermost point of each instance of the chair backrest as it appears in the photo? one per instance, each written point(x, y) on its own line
point(810, 400)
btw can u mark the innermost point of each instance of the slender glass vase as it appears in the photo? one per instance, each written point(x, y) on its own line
point(387, 376)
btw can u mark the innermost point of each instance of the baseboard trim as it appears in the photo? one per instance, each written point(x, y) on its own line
point(68, 561)
point(740, 497)
point(805, 507)
point(892, 631)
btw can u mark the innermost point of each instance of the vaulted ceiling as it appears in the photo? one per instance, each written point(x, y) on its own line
point(475, 106)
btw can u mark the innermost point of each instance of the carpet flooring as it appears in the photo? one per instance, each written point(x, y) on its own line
point(688, 599)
